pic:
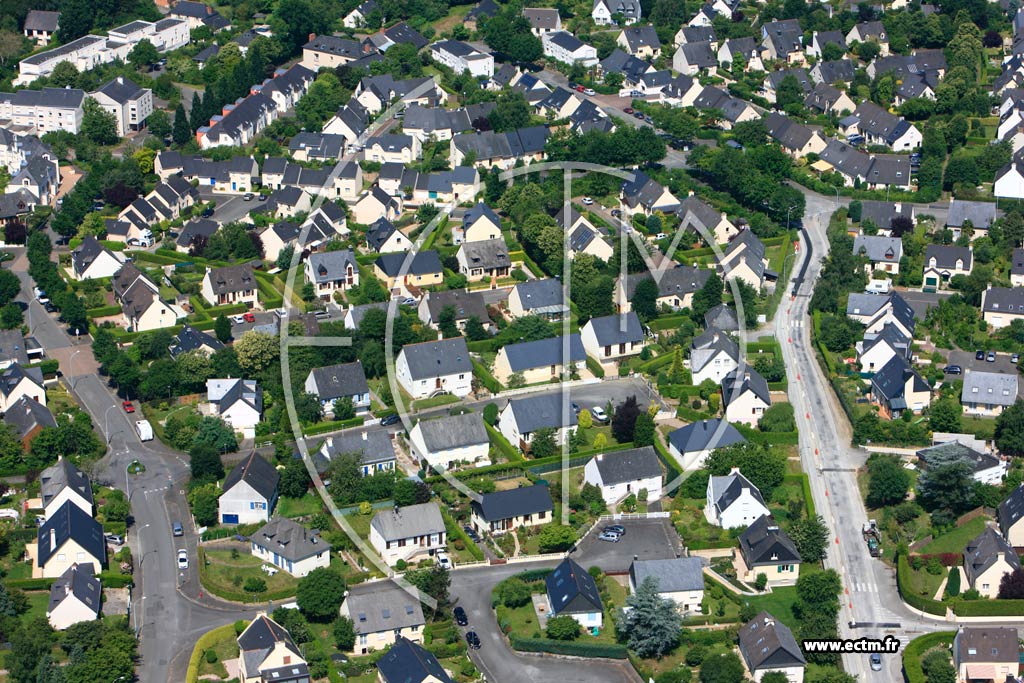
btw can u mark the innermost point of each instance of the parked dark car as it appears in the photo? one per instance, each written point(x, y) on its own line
point(471, 532)
point(979, 355)
point(460, 616)
point(473, 640)
point(390, 420)
point(953, 370)
point(615, 529)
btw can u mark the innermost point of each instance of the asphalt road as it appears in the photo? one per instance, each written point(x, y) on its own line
point(230, 207)
point(645, 539)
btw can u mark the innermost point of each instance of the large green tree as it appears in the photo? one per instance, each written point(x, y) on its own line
point(888, 481)
point(1010, 430)
point(650, 623)
point(319, 594)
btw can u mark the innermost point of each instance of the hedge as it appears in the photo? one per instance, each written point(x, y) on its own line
point(499, 441)
point(595, 368)
point(531, 575)
point(672, 469)
point(456, 531)
point(667, 323)
point(202, 645)
point(334, 425)
point(568, 647)
point(486, 378)
point(912, 671)
point(38, 584)
point(988, 608)
point(103, 311)
point(116, 580)
point(916, 601)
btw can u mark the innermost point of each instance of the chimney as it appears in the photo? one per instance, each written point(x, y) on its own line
point(312, 36)
point(746, 375)
point(734, 470)
point(120, 80)
point(769, 621)
point(365, 436)
point(53, 539)
point(690, 193)
point(715, 338)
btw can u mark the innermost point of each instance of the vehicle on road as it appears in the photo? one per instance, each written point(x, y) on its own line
point(628, 110)
point(207, 212)
point(49, 307)
point(991, 358)
point(872, 537)
point(617, 213)
point(589, 91)
point(638, 115)
point(128, 406)
point(390, 420)
point(183, 559)
point(1015, 358)
point(953, 370)
point(249, 317)
point(114, 539)
point(587, 201)
point(876, 662)
point(979, 355)
point(615, 529)
point(599, 414)
point(144, 429)
point(237, 319)
point(575, 408)
point(572, 86)
point(471, 532)
point(609, 537)
point(580, 88)
point(248, 197)
point(460, 616)
point(264, 197)
point(177, 529)
point(443, 559)
point(473, 640)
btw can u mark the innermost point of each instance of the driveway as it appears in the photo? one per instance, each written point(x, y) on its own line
point(230, 207)
point(262, 318)
point(645, 539)
point(471, 589)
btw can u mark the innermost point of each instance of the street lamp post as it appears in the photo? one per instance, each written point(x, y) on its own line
point(106, 422)
point(71, 368)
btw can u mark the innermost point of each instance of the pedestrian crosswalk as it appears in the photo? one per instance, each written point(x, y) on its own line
point(863, 587)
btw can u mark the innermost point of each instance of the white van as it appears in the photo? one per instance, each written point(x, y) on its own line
point(144, 429)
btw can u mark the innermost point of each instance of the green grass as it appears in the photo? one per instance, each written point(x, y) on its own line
point(220, 570)
point(226, 648)
point(38, 601)
point(778, 603)
point(435, 401)
point(309, 504)
point(955, 540)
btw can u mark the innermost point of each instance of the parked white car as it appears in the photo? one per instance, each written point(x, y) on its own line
point(182, 559)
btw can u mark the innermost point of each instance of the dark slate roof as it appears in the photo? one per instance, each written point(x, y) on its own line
point(466, 304)
point(484, 8)
point(1003, 299)
point(86, 253)
point(634, 464)
point(541, 296)
point(342, 47)
point(487, 254)
point(70, 522)
point(721, 317)
point(383, 606)
point(421, 519)
point(701, 436)
point(621, 62)
point(40, 20)
point(571, 590)
point(79, 582)
point(544, 352)
point(437, 358)
point(61, 475)
point(453, 431)
point(767, 644)
point(890, 382)
point(122, 90)
point(984, 550)
point(526, 500)
point(539, 411)
point(407, 662)
point(190, 339)
point(742, 380)
point(946, 256)
point(617, 329)
point(727, 489)
point(332, 265)
point(372, 446)
point(335, 381)
point(422, 263)
point(228, 279)
point(699, 54)
point(14, 374)
point(980, 214)
point(954, 450)
point(1011, 510)
point(479, 211)
point(787, 132)
point(290, 540)
point(260, 637)
point(764, 542)
point(403, 33)
point(26, 414)
point(672, 575)
point(257, 473)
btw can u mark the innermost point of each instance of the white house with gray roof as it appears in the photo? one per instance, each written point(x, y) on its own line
point(408, 533)
point(1000, 306)
point(130, 104)
point(680, 580)
point(733, 502)
point(520, 419)
point(676, 286)
point(538, 297)
point(979, 214)
point(988, 394)
point(767, 644)
point(613, 337)
point(691, 445)
point(90, 260)
point(943, 262)
point(345, 380)
point(745, 396)
point(331, 271)
point(713, 355)
point(62, 482)
point(882, 253)
point(543, 360)
point(446, 441)
point(374, 447)
point(74, 597)
point(564, 47)
point(381, 612)
point(620, 474)
point(288, 545)
point(435, 367)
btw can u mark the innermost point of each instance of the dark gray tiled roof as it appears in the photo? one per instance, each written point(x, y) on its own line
point(540, 411)
point(69, 523)
point(79, 582)
point(767, 644)
point(764, 542)
point(453, 431)
point(984, 551)
point(335, 381)
point(571, 590)
point(437, 358)
point(422, 263)
point(61, 475)
point(290, 540)
point(672, 575)
point(26, 414)
point(407, 662)
point(422, 519)
point(544, 352)
point(257, 473)
point(701, 436)
point(633, 464)
point(382, 606)
point(617, 329)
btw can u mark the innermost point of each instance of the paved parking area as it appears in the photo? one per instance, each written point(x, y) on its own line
point(966, 360)
point(262, 318)
point(230, 207)
point(645, 539)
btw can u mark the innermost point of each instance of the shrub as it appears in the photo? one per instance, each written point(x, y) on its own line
point(695, 655)
point(512, 592)
point(953, 583)
point(572, 649)
point(761, 582)
point(563, 628)
point(211, 656)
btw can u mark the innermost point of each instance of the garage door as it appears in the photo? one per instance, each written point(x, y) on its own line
point(229, 519)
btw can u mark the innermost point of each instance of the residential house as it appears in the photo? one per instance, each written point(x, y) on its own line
point(435, 123)
point(409, 533)
point(375, 93)
point(572, 591)
point(694, 34)
point(523, 417)
point(435, 367)
point(564, 47)
point(239, 402)
point(879, 127)
point(766, 644)
point(359, 16)
point(645, 195)
point(17, 382)
point(43, 111)
point(249, 492)
point(875, 352)
point(331, 52)
point(402, 275)
point(739, 51)
point(696, 214)
point(331, 271)
point(142, 309)
point(869, 31)
point(288, 202)
point(375, 450)
point(607, 12)
point(501, 511)
point(713, 356)
point(70, 536)
point(691, 59)
point(27, 417)
point(819, 39)
point(229, 285)
point(640, 41)
point(828, 100)
point(733, 502)
point(130, 104)
point(733, 110)
point(680, 580)
point(350, 121)
point(289, 546)
point(767, 549)
point(74, 597)
point(986, 653)
point(40, 26)
point(466, 305)
point(478, 224)
point(501, 150)
point(875, 311)
point(676, 287)
point(795, 139)
point(1009, 515)
point(393, 148)
point(382, 612)
point(543, 298)
point(584, 237)
point(882, 253)
point(61, 483)
point(542, 20)
point(782, 41)
point(943, 262)
point(237, 175)
point(613, 337)
point(897, 387)
point(190, 339)
point(375, 204)
point(746, 259)
point(447, 441)
point(309, 146)
point(487, 259)
point(987, 559)
point(691, 445)
point(463, 58)
point(972, 217)
point(544, 360)
point(383, 237)
point(268, 653)
point(407, 662)
point(988, 394)
point(882, 214)
point(334, 382)
point(986, 467)
point(745, 396)
point(1009, 181)
point(773, 83)
point(90, 260)
point(621, 474)
point(1000, 306)
point(196, 14)
point(721, 318)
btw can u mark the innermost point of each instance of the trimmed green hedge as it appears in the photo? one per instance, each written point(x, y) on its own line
point(486, 378)
point(103, 311)
point(30, 584)
point(912, 671)
point(568, 647)
point(324, 427)
point(510, 452)
point(988, 608)
point(595, 368)
point(456, 531)
point(916, 601)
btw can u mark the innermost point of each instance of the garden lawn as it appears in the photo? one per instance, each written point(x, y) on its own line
point(219, 572)
point(924, 584)
point(778, 603)
point(226, 648)
point(955, 540)
point(309, 504)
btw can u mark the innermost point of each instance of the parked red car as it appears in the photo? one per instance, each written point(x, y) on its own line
point(249, 317)
point(580, 88)
point(128, 406)
point(628, 110)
